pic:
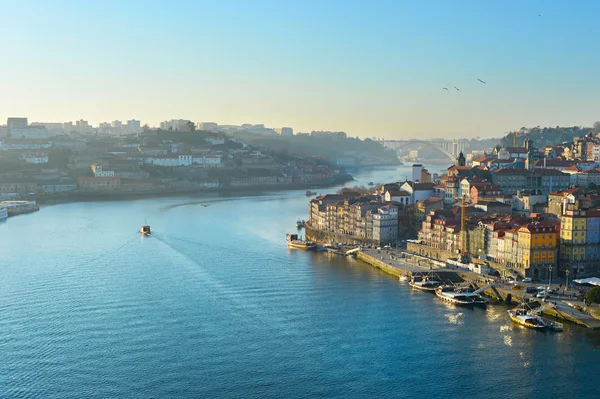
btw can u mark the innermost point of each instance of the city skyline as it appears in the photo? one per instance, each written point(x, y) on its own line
point(369, 70)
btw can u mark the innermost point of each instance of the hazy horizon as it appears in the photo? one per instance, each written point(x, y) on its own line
point(366, 69)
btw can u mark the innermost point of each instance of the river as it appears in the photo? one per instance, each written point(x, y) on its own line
point(215, 305)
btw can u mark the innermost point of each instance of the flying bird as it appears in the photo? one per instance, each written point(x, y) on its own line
point(456, 88)
point(445, 88)
point(482, 81)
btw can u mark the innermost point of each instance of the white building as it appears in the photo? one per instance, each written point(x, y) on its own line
point(215, 140)
point(176, 124)
point(170, 160)
point(100, 172)
point(29, 133)
point(400, 196)
point(7, 146)
point(16, 123)
point(35, 158)
point(207, 126)
point(285, 131)
point(208, 160)
point(133, 126)
point(385, 224)
point(418, 191)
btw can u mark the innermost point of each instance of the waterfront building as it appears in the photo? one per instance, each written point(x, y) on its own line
point(100, 172)
point(537, 250)
point(573, 237)
point(20, 186)
point(98, 184)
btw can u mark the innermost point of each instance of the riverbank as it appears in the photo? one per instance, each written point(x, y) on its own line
point(246, 190)
point(409, 264)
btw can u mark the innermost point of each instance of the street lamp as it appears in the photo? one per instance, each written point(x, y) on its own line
point(567, 274)
point(550, 278)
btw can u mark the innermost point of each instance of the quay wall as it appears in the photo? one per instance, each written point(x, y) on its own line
point(398, 271)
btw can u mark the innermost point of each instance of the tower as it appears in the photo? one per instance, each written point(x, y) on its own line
point(529, 161)
point(460, 161)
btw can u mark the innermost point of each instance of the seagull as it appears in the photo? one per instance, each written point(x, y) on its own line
point(456, 88)
point(445, 88)
point(482, 81)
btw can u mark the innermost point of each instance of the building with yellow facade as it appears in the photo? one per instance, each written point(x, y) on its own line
point(573, 240)
point(537, 247)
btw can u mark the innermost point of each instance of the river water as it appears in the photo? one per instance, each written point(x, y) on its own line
point(215, 305)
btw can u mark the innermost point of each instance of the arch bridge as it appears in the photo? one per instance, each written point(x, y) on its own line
point(445, 147)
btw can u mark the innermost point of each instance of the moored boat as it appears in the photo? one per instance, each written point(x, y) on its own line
point(404, 278)
point(455, 296)
point(310, 193)
point(294, 241)
point(554, 325)
point(477, 298)
point(424, 284)
point(521, 317)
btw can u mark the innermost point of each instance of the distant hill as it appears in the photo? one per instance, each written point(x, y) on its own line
point(329, 148)
point(543, 136)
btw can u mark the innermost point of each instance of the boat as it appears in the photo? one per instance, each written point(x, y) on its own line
point(310, 193)
point(453, 295)
point(424, 283)
point(477, 298)
point(520, 316)
point(145, 229)
point(3, 213)
point(404, 278)
point(300, 224)
point(371, 183)
point(554, 325)
point(294, 241)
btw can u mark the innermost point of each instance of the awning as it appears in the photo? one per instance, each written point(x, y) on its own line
point(591, 280)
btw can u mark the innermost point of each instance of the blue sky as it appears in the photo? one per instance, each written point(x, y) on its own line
point(369, 68)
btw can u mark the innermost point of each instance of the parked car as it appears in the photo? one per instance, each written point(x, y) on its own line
point(527, 280)
point(531, 290)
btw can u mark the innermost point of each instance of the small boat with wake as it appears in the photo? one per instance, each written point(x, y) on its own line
point(294, 241)
point(145, 229)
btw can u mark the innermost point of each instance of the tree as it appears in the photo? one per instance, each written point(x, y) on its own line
point(593, 295)
point(596, 128)
point(190, 126)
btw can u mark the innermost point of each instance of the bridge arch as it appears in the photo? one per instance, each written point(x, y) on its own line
point(396, 145)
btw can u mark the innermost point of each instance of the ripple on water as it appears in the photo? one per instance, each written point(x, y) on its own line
point(208, 309)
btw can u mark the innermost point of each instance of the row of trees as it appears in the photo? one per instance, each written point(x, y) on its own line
point(543, 136)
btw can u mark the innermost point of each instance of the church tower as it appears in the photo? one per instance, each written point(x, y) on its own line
point(461, 161)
